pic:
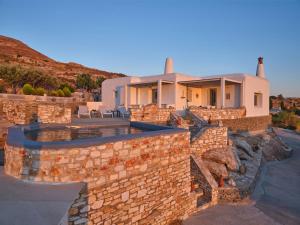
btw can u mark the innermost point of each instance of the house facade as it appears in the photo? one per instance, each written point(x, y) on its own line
point(181, 91)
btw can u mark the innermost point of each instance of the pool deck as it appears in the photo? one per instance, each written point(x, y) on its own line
point(24, 203)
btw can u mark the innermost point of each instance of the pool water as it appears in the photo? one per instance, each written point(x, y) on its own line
point(71, 133)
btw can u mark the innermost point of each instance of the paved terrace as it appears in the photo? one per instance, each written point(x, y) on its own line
point(27, 203)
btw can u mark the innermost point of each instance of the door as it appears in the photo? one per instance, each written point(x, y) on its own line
point(213, 96)
point(154, 96)
point(117, 96)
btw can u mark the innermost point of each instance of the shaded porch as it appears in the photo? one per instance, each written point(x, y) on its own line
point(150, 92)
point(213, 93)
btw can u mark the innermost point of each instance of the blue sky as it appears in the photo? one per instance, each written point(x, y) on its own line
point(135, 36)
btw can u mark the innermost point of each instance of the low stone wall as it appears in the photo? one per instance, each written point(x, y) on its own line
point(209, 137)
point(177, 121)
point(205, 180)
point(218, 114)
point(248, 123)
point(26, 112)
point(54, 113)
point(20, 112)
point(145, 180)
point(150, 113)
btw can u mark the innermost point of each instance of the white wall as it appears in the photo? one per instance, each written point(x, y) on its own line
point(256, 85)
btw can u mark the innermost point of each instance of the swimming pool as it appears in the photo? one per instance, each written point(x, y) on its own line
point(50, 134)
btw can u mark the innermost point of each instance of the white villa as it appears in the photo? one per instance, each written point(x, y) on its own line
point(172, 89)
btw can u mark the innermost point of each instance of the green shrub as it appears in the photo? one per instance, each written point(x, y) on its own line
point(28, 89)
point(53, 93)
point(62, 86)
point(60, 93)
point(67, 92)
point(2, 88)
point(40, 91)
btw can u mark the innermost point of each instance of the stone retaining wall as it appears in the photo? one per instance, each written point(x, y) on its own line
point(139, 181)
point(26, 112)
point(54, 113)
point(150, 113)
point(210, 137)
point(218, 114)
point(248, 123)
point(205, 180)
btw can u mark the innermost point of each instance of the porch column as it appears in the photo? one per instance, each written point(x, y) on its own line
point(222, 92)
point(126, 96)
point(159, 93)
point(242, 94)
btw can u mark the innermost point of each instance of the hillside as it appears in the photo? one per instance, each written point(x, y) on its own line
point(15, 52)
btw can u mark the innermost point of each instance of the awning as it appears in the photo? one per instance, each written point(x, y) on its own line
point(149, 83)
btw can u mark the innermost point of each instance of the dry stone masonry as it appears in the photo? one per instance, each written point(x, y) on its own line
point(143, 180)
point(218, 114)
point(151, 113)
point(26, 112)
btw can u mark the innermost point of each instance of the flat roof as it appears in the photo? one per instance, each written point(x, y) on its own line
point(208, 82)
point(149, 83)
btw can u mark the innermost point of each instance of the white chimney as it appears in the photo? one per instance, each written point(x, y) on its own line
point(169, 65)
point(260, 71)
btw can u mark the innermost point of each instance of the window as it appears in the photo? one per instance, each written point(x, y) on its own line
point(257, 99)
point(227, 96)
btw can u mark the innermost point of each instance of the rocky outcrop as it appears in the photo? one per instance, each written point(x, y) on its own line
point(226, 156)
point(243, 145)
point(217, 169)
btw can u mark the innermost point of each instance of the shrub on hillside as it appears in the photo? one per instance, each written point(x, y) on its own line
point(85, 81)
point(62, 86)
point(2, 88)
point(60, 93)
point(53, 93)
point(28, 89)
point(67, 92)
point(40, 91)
point(17, 76)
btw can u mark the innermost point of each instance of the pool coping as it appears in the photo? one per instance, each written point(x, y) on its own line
point(17, 138)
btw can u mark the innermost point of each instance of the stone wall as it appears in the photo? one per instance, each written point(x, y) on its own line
point(20, 112)
point(26, 112)
point(177, 121)
point(139, 181)
point(54, 113)
point(202, 176)
point(150, 113)
point(209, 137)
point(218, 114)
point(248, 123)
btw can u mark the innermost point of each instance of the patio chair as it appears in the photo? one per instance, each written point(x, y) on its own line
point(83, 111)
point(123, 112)
point(104, 112)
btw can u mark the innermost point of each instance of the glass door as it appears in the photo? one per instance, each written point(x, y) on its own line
point(213, 96)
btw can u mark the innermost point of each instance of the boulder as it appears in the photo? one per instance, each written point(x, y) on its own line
point(217, 169)
point(242, 155)
point(226, 156)
point(244, 146)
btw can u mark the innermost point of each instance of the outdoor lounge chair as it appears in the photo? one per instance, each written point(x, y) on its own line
point(83, 111)
point(104, 112)
point(123, 112)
